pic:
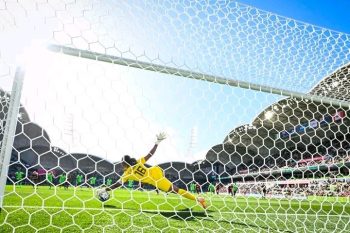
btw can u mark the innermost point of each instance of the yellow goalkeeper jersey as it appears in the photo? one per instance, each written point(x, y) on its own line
point(138, 172)
point(153, 175)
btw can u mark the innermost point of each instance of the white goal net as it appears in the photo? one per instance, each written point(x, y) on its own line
point(254, 107)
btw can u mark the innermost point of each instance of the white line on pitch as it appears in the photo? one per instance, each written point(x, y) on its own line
point(177, 211)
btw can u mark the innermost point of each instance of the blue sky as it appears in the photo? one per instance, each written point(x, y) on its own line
point(230, 40)
point(332, 14)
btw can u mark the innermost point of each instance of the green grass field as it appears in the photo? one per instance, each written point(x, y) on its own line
point(76, 210)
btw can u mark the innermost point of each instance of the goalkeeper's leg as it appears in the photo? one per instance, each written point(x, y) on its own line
point(165, 185)
point(189, 195)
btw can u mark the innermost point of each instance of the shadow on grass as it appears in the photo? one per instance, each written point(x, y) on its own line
point(184, 214)
point(111, 207)
point(268, 229)
point(189, 215)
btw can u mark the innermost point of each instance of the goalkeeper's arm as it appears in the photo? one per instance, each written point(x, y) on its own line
point(160, 137)
point(114, 186)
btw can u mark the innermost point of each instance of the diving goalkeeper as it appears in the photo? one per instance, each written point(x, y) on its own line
point(136, 170)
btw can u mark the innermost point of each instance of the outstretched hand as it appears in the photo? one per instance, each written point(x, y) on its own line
point(160, 137)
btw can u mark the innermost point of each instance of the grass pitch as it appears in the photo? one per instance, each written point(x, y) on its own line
point(77, 210)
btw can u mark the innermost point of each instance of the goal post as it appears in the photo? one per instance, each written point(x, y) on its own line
point(9, 123)
point(193, 75)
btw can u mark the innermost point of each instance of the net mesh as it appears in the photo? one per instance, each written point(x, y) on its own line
point(206, 73)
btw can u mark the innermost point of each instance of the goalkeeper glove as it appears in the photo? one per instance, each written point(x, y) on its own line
point(160, 137)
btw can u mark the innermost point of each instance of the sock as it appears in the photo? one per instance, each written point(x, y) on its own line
point(186, 194)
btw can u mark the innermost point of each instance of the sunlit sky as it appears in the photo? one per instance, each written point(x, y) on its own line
point(110, 110)
point(324, 13)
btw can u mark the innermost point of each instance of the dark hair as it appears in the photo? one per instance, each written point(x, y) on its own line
point(129, 161)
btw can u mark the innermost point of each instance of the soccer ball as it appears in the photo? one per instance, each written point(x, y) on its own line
point(102, 195)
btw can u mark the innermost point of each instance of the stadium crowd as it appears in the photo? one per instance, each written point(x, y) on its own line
point(328, 154)
point(335, 187)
